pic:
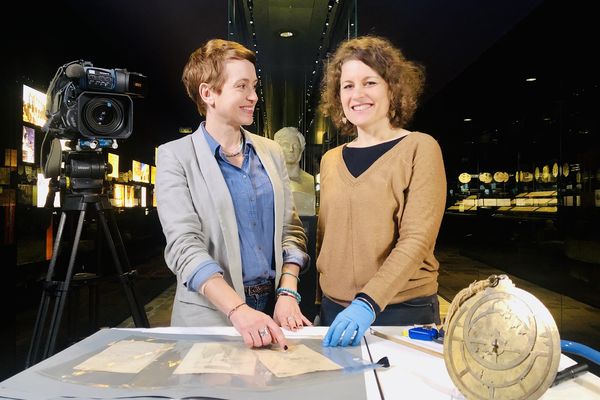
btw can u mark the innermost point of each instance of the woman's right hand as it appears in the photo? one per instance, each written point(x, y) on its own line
point(257, 328)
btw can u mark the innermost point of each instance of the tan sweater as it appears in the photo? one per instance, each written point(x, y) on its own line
point(377, 232)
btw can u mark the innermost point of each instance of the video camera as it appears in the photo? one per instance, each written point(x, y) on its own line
point(92, 107)
point(92, 102)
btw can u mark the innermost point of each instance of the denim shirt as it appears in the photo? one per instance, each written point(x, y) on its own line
point(253, 200)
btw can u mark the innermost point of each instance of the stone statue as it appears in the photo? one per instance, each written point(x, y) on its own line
point(302, 183)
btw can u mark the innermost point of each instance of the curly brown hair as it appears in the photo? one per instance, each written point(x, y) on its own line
point(405, 79)
point(206, 65)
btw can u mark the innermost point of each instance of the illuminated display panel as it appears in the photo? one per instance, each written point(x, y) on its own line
point(118, 199)
point(145, 173)
point(34, 106)
point(136, 171)
point(43, 188)
point(113, 159)
point(140, 172)
point(28, 145)
point(152, 174)
point(130, 200)
point(143, 197)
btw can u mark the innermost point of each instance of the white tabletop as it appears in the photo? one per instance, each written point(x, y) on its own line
point(412, 373)
point(415, 374)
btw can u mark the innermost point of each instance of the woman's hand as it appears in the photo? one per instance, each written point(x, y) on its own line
point(288, 315)
point(257, 328)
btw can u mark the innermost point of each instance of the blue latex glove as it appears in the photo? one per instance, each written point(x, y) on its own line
point(350, 325)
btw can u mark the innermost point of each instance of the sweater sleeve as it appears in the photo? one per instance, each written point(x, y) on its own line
point(418, 223)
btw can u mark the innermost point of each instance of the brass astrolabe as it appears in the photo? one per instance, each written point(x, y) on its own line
point(500, 342)
point(501, 177)
point(485, 177)
point(465, 177)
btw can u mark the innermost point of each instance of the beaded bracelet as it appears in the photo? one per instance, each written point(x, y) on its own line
point(233, 309)
point(286, 295)
point(282, 290)
point(289, 273)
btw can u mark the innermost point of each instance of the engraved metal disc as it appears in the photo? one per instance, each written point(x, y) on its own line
point(502, 343)
point(485, 177)
point(501, 177)
point(464, 177)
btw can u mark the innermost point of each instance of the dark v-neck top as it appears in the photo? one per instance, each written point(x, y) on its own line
point(359, 159)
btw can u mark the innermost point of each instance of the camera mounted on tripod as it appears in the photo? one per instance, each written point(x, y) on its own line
point(92, 108)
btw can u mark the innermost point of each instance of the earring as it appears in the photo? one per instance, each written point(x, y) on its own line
point(344, 120)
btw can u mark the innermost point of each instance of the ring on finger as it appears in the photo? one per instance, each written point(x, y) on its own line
point(263, 332)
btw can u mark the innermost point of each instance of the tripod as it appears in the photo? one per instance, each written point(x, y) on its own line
point(57, 290)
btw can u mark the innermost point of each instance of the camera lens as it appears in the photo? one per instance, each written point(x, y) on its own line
point(103, 115)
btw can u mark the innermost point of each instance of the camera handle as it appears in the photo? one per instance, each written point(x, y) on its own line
point(58, 290)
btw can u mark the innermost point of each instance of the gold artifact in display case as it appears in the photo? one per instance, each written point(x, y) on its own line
point(536, 173)
point(545, 173)
point(464, 177)
point(555, 171)
point(485, 177)
point(565, 169)
point(492, 329)
point(540, 201)
point(525, 176)
point(501, 177)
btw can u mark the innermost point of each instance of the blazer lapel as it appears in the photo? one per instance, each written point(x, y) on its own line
point(221, 199)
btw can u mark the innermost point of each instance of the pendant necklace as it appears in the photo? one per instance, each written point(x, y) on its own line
point(237, 153)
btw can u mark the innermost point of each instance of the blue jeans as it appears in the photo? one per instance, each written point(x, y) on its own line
point(262, 302)
point(419, 311)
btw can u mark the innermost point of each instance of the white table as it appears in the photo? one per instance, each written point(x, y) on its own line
point(418, 375)
point(412, 374)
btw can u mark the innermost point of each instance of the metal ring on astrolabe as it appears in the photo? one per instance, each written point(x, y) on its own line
point(502, 343)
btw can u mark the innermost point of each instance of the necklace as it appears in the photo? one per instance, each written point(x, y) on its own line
point(237, 153)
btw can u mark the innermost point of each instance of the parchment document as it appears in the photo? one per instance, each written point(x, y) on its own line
point(297, 360)
point(218, 358)
point(126, 356)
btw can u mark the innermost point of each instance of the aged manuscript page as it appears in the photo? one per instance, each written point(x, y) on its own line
point(126, 356)
point(230, 358)
point(297, 360)
point(218, 358)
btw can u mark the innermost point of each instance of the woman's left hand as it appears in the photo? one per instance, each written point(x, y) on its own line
point(288, 315)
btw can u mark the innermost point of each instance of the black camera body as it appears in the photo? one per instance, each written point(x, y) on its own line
point(93, 103)
point(91, 108)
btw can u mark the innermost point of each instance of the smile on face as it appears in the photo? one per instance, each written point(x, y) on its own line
point(235, 104)
point(364, 95)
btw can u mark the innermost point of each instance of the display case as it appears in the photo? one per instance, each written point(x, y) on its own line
point(543, 190)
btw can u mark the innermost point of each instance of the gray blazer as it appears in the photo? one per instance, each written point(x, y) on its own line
point(198, 219)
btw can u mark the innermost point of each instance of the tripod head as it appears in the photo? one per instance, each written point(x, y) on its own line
point(79, 171)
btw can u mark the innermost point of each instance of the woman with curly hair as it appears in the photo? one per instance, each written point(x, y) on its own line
point(382, 196)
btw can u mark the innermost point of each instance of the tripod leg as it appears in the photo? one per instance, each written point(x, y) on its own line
point(63, 289)
point(40, 320)
point(138, 312)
